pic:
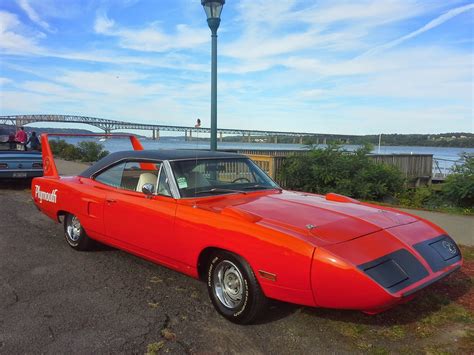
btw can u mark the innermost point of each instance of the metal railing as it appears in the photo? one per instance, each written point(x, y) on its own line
point(444, 167)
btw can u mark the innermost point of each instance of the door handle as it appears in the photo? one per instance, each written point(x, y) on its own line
point(110, 201)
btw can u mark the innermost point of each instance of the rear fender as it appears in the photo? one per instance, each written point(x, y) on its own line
point(45, 193)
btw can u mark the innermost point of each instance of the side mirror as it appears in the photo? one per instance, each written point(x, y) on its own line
point(148, 189)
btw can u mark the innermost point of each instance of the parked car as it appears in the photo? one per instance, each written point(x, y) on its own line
point(218, 217)
point(16, 164)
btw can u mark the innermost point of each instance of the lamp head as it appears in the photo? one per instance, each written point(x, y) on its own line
point(213, 9)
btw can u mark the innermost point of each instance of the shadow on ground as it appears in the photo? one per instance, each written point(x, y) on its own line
point(426, 302)
point(15, 184)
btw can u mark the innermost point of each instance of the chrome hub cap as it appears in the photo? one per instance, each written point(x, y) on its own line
point(228, 284)
point(74, 229)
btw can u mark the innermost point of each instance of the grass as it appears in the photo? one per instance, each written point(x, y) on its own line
point(154, 348)
point(451, 313)
point(440, 320)
point(467, 252)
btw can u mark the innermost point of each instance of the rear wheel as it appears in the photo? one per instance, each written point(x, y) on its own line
point(234, 289)
point(75, 235)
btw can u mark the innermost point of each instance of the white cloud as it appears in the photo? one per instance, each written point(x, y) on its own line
point(10, 40)
point(151, 38)
point(103, 24)
point(430, 25)
point(33, 15)
point(5, 81)
point(367, 13)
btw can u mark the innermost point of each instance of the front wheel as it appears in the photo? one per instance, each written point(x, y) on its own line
point(234, 289)
point(75, 235)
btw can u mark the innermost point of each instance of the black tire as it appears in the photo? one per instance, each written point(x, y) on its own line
point(243, 301)
point(75, 235)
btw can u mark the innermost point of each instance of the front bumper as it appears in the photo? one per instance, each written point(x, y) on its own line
point(401, 269)
point(376, 272)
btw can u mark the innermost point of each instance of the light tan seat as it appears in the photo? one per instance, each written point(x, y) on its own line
point(146, 178)
point(196, 180)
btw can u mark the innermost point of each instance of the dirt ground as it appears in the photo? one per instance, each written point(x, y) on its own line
point(56, 300)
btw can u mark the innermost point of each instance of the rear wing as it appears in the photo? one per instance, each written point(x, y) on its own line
point(49, 166)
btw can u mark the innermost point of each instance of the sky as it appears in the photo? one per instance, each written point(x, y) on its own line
point(342, 67)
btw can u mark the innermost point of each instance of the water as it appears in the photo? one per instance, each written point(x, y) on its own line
point(116, 144)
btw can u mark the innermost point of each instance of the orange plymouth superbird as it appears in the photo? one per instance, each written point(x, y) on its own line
point(218, 217)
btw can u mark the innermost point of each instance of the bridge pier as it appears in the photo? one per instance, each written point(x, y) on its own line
point(324, 140)
point(185, 135)
point(301, 140)
point(220, 136)
point(156, 134)
point(275, 139)
point(249, 139)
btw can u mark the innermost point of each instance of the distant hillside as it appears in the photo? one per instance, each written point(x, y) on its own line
point(457, 139)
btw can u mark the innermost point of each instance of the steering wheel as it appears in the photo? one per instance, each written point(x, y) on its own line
point(241, 178)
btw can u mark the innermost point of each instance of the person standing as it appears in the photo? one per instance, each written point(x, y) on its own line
point(11, 141)
point(21, 137)
point(33, 141)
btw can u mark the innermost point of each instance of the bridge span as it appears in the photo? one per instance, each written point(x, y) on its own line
point(111, 125)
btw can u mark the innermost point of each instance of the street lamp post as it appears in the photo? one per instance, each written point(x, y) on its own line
point(213, 9)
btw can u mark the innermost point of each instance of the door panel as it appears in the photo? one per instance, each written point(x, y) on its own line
point(141, 222)
point(92, 208)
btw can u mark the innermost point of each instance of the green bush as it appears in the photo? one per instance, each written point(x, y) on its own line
point(459, 186)
point(333, 170)
point(91, 151)
point(58, 145)
point(85, 151)
point(422, 197)
point(70, 152)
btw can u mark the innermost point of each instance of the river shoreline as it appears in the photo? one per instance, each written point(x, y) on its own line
point(116, 144)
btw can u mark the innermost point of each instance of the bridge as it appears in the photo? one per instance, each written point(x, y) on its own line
point(111, 125)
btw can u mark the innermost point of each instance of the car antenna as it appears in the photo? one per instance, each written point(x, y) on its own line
point(197, 125)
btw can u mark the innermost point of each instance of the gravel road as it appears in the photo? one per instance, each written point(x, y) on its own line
point(57, 300)
point(54, 299)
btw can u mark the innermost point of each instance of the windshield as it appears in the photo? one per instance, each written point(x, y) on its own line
point(206, 177)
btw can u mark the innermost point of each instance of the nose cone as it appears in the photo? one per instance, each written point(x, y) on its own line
point(376, 271)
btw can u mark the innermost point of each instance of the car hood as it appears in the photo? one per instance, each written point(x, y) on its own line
point(313, 215)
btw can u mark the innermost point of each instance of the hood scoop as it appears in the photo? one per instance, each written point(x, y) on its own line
point(240, 214)
point(339, 198)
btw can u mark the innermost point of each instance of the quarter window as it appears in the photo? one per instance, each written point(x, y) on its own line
point(163, 184)
point(131, 175)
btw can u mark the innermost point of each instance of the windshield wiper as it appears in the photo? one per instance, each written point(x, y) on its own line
point(218, 189)
point(263, 187)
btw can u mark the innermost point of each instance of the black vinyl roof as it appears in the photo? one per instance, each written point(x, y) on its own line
point(164, 154)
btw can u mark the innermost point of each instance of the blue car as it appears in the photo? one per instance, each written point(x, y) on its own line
point(16, 164)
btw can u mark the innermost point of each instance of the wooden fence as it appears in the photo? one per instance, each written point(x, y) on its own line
point(417, 168)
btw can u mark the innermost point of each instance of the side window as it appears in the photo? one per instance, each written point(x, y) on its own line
point(112, 176)
point(163, 184)
point(131, 175)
